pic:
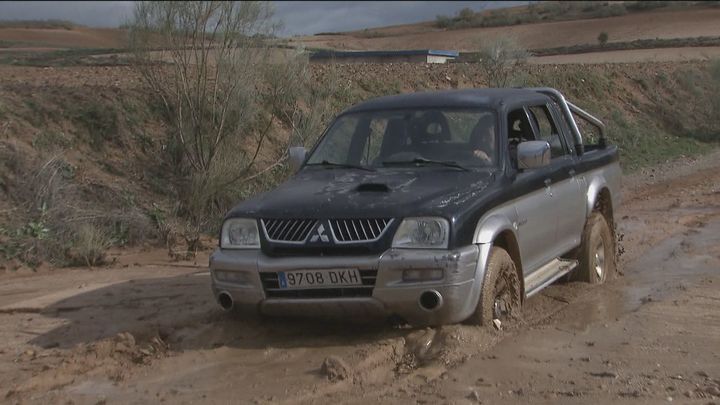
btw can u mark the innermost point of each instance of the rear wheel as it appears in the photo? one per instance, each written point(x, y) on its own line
point(597, 252)
point(500, 296)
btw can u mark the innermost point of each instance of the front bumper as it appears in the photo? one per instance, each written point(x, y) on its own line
point(391, 296)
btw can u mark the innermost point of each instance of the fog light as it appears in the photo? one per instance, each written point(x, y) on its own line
point(422, 274)
point(238, 277)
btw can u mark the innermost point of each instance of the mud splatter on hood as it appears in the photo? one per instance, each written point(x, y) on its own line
point(342, 193)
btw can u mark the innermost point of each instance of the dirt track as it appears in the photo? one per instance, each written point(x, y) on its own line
point(147, 329)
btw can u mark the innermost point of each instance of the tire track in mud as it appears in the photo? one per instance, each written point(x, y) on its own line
point(279, 360)
point(654, 205)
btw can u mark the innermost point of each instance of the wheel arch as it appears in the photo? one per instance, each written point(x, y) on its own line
point(507, 240)
point(600, 200)
point(499, 230)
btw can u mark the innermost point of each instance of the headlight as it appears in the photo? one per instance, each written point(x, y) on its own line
point(239, 233)
point(422, 232)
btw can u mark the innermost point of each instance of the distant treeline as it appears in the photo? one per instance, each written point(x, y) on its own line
point(556, 11)
point(39, 24)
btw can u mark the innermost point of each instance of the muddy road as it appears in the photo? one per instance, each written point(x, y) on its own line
point(147, 329)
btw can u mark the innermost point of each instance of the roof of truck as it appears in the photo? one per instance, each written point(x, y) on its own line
point(487, 97)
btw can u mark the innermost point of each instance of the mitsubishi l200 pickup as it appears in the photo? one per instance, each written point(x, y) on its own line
point(430, 208)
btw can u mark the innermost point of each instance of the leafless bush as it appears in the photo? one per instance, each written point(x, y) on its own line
point(602, 38)
point(228, 94)
point(499, 60)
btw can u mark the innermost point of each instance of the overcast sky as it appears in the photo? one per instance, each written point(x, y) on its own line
point(298, 17)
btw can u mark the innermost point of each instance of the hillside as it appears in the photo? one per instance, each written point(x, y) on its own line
point(84, 164)
point(43, 39)
point(675, 23)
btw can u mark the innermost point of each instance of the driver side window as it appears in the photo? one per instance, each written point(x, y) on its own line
point(519, 130)
point(547, 130)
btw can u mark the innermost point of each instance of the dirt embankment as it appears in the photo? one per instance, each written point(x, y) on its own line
point(148, 329)
point(83, 145)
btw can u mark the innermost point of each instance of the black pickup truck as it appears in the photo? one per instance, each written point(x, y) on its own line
point(432, 208)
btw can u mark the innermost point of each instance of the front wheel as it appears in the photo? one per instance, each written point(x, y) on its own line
point(500, 296)
point(597, 252)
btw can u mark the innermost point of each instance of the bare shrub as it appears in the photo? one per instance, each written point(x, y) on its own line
point(466, 14)
point(603, 38)
point(443, 21)
point(229, 96)
point(499, 59)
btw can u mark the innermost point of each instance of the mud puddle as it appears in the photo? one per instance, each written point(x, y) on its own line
point(674, 263)
point(153, 333)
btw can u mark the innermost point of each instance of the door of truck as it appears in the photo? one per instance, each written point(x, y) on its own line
point(572, 190)
point(537, 210)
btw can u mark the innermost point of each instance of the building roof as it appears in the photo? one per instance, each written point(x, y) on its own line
point(449, 98)
point(360, 54)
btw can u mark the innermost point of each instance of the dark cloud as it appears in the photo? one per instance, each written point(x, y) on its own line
point(298, 17)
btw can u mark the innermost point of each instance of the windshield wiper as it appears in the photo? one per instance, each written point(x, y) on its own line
point(446, 163)
point(343, 165)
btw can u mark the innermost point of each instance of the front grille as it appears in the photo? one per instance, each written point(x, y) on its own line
point(271, 285)
point(359, 230)
point(287, 230)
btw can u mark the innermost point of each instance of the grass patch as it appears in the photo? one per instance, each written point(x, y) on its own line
point(49, 140)
point(642, 143)
point(100, 122)
point(88, 246)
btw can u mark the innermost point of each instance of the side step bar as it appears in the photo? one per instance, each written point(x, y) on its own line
point(546, 274)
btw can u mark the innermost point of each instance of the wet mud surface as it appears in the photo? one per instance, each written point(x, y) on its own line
point(148, 329)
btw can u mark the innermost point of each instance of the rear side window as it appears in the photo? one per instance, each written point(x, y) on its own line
point(590, 132)
point(547, 130)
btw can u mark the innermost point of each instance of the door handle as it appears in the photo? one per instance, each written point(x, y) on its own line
point(572, 172)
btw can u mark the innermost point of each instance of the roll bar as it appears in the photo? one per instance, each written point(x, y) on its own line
point(567, 109)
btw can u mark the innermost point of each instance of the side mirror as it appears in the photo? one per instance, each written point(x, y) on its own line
point(297, 157)
point(533, 154)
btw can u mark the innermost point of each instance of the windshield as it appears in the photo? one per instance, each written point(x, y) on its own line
point(415, 137)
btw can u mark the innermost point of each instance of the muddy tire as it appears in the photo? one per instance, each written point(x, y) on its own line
point(596, 255)
point(500, 296)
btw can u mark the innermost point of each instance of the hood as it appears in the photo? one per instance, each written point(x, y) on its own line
point(351, 193)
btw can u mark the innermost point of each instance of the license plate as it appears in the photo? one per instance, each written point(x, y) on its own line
point(319, 278)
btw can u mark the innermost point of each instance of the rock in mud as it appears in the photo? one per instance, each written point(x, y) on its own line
point(474, 396)
point(126, 338)
point(712, 390)
point(605, 374)
point(418, 343)
point(335, 369)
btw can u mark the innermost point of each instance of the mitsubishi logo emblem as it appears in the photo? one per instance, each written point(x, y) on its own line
point(320, 235)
